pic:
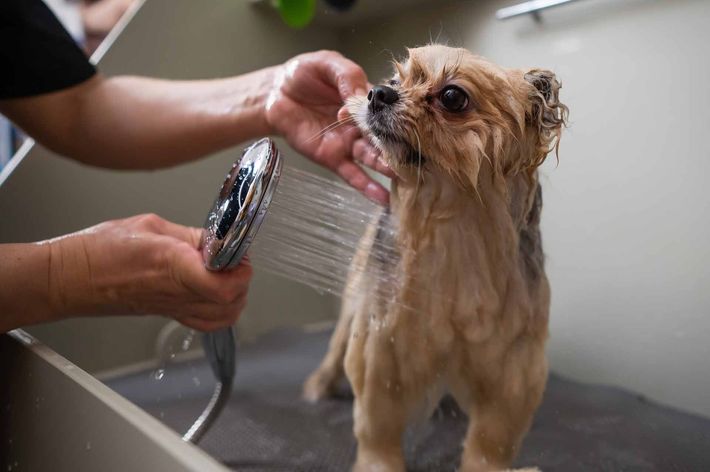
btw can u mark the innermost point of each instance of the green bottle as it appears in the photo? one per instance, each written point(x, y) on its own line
point(296, 13)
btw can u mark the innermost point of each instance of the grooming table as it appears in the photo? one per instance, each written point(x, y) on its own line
point(267, 427)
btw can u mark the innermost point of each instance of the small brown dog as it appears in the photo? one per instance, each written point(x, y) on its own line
point(468, 313)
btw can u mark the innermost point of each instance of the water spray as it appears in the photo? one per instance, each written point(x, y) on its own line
point(314, 229)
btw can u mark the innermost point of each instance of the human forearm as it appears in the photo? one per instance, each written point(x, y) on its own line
point(148, 123)
point(140, 123)
point(24, 285)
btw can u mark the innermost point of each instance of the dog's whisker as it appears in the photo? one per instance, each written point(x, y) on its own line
point(331, 127)
point(334, 125)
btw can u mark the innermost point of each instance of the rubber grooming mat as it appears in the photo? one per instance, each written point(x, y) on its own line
point(266, 427)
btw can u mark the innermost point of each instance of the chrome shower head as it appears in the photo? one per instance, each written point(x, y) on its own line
point(231, 226)
point(241, 205)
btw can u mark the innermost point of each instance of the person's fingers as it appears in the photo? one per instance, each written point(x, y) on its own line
point(220, 287)
point(361, 151)
point(343, 114)
point(207, 317)
point(216, 312)
point(335, 146)
point(348, 77)
point(347, 134)
point(155, 224)
point(368, 155)
point(201, 325)
point(189, 234)
point(339, 159)
point(358, 179)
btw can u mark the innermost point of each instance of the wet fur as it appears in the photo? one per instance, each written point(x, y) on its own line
point(471, 299)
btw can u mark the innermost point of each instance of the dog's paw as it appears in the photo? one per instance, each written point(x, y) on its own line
point(380, 461)
point(318, 386)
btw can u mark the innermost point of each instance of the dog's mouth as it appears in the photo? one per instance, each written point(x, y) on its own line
point(400, 147)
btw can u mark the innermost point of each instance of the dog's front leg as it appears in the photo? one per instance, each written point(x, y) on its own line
point(493, 438)
point(380, 410)
point(379, 425)
point(503, 408)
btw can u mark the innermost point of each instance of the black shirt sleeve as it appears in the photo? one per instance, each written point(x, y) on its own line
point(37, 55)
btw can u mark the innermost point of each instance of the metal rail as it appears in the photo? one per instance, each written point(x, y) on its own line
point(533, 8)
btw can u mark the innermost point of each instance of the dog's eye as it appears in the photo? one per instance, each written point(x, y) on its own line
point(394, 82)
point(454, 98)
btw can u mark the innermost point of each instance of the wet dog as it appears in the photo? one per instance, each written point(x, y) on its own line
point(466, 310)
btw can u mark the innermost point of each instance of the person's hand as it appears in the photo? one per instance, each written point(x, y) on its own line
point(144, 265)
point(309, 91)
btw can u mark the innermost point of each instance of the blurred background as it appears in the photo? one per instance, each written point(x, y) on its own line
point(625, 220)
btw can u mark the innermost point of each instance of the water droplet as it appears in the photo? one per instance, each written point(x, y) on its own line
point(196, 381)
point(392, 339)
point(159, 374)
point(88, 445)
point(162, 414)
point(187, 342)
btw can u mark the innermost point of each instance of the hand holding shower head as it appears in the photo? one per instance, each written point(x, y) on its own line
point(230, 228)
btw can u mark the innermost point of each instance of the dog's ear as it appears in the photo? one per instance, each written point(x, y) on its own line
point(546, 114)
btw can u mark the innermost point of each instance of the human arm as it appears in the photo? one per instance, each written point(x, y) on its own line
point(142, 123)
point(139, 265)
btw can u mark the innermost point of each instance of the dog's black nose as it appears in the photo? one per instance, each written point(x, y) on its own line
point(381, 96)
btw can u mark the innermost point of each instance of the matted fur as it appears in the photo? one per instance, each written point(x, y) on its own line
point(469, 312)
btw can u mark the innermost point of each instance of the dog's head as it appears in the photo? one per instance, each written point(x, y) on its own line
point(446, 109)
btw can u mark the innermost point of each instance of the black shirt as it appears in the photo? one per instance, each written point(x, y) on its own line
point(37, 55)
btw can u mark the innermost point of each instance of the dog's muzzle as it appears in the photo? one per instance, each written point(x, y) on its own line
point(381, 97)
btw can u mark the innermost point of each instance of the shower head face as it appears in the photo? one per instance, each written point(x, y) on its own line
point(241, 205)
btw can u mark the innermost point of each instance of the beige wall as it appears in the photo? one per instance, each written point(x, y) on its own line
point(625, 221)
